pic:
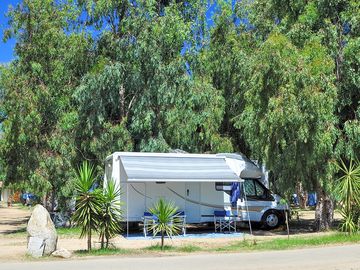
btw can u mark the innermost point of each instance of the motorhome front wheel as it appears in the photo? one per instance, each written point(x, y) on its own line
point(271, 220)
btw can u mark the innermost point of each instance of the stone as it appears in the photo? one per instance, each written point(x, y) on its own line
point(62, 253)
point(36, 247)
point(41, 226)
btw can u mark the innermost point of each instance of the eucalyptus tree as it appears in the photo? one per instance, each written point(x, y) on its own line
point(38, 84)
point(347, 189)
point(288, 119)
point(225, 61)
point(335, 25)
point(143, 86)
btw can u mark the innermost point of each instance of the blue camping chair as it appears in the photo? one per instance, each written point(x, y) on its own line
point(219, 217)
point(182, 218)
point(148, 220)
point(223, 220)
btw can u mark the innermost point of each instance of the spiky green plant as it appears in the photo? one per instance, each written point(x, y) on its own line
point(167, 222)
point(88, 202)
point(111, 214)
point(347, 190)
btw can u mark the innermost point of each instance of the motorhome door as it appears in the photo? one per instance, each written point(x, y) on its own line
point(192, 207)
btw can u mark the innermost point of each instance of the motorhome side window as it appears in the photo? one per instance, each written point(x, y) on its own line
point(250, 188)
point(254, 189)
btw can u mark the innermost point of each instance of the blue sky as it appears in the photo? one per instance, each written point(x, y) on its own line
point(6, 49)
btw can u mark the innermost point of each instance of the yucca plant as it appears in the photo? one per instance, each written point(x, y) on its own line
point(167, 222)
point(111, 214)
point(347, 190)
point(88, 202)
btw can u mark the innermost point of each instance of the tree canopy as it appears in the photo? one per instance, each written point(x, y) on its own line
point(276, 81)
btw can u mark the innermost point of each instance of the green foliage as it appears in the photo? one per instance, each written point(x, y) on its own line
point(106, 252)
point(38, 87)
point(88, 202)
point(288, 117)
point(283, 88)
point(348, 192)
point(140, 81)
point(83, 97)
point(167, 223)
point(96, 210)
point(111, 216)
point(225, 61)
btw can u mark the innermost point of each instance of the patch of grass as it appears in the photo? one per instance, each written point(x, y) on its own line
point(185, 248)
point(157, 247)
point(189, 248)
point(294, 242)
point(105, 252)
point(73, 231)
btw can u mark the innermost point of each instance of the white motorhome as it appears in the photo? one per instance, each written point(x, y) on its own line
point(197, 183)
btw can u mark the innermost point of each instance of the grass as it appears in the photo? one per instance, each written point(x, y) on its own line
point(294, 242)
point(69, 232)
point(73, 232)
point(189, 248)
point(185, 248)
point(105, 252)
point(237, 246)
point(158, 248)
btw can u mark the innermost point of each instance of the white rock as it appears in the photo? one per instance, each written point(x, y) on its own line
point(62, 253)
point(41, 226)
point(36, 247)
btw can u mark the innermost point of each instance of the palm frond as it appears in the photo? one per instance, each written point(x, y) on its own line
point(347, 189)
point(167, 223)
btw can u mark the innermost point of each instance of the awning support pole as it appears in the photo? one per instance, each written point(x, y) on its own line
point(127, 210)
point(247, 209)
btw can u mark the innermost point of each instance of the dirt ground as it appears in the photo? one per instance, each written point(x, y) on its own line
point(14, 220)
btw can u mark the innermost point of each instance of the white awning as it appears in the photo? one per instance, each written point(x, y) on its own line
point(170, 167)
point(246, 169)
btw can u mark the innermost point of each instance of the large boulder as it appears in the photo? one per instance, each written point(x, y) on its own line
point(40, 228)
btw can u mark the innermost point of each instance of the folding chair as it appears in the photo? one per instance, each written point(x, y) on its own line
point(182, 218)
point(229, 221)
point(219, 217)
point(148, 220)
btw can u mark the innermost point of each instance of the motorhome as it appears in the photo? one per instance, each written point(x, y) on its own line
point(198, 184)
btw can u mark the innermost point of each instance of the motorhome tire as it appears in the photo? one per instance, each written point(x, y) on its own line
point(271, 219)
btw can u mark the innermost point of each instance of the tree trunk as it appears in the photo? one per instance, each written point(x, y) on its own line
point(102, 241)
point(45, 201)
point(302, 195)
point(89, 239)
point(122, 102)
point(53, 194)
point(162, 240)
point(324, 213)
